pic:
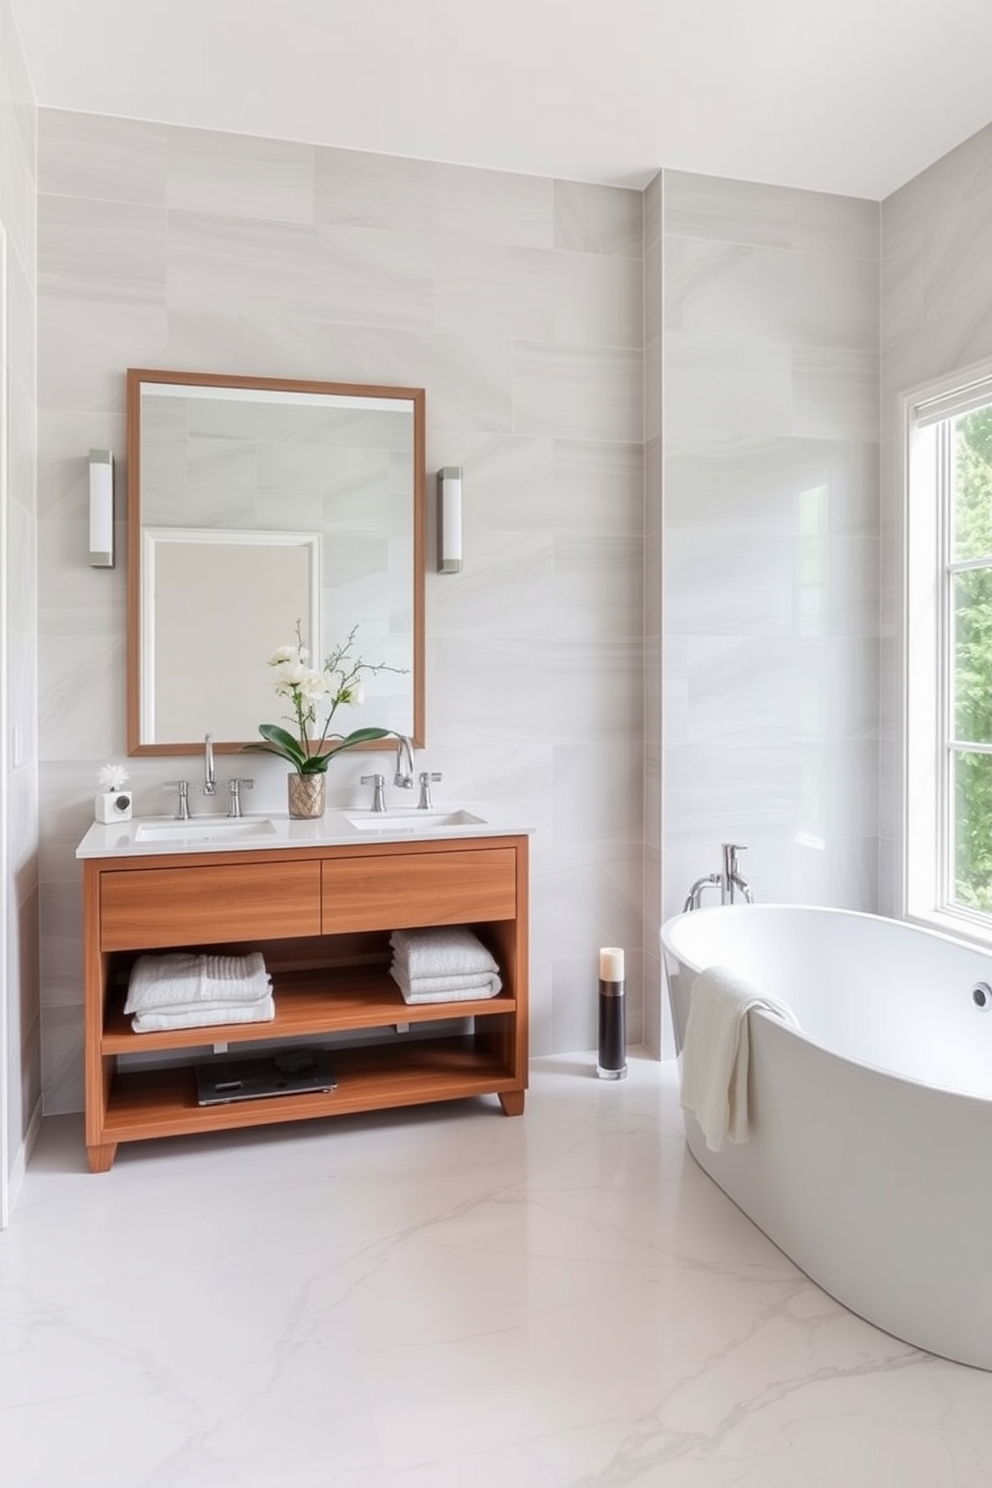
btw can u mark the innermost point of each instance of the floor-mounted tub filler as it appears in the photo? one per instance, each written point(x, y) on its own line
point(868, 1158)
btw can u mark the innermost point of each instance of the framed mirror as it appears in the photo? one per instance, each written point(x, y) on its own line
point(255, 505)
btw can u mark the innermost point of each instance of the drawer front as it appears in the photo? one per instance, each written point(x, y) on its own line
point(398, 891)
point(199, 905)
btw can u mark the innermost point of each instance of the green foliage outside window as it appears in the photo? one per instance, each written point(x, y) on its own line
point(972, 701)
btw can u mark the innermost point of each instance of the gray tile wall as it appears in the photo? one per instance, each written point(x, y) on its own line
point(517, 303)
point(936, 318)
point(18, 706)
point(556, 328)
point(654, 825)
point(770, 652)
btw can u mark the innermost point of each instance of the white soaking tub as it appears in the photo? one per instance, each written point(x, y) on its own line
point(869, 1158)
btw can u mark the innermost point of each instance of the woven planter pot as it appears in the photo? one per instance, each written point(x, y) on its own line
point(307, 795)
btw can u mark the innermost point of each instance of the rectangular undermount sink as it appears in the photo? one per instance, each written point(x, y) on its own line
point(410, 819)
point(205, 829)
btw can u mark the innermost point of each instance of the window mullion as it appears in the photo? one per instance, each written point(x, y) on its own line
point(945, 665)
point(946, 861)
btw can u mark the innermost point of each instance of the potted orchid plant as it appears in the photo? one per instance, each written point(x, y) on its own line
point(315, 694)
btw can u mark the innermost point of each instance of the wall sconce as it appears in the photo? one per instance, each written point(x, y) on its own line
point(101, 508)
point(449, 519)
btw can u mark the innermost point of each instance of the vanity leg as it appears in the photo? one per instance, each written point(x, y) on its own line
point(512, 1102)
point(102, 1157)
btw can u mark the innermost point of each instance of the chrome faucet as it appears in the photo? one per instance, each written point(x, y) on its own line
point(181, 789)
point(427, 779)
point(695, 895)
point(209, 779)
point(235, 786)
point(378, 784)
point(730, 881)
point(404, 764)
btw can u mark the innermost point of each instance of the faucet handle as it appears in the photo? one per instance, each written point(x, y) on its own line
point(235, 785)
point(426, 777)
point(378, 784)
point(179, 788)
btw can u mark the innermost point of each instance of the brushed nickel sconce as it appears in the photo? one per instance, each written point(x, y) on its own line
point(101, 508)
point(449, 519)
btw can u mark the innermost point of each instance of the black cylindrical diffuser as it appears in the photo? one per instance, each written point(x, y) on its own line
point(612, 1064)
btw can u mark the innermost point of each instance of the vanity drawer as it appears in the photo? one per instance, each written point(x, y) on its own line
point(429, 888)
point(193, 905)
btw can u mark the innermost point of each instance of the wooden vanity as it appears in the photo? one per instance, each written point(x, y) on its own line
point(321, 915)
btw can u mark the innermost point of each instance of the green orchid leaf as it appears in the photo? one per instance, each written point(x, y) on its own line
point(282, 743)
point(360, 736)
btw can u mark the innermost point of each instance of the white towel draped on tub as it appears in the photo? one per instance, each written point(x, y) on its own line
point(448, 964)
point(716, 1050)
point(181, 989)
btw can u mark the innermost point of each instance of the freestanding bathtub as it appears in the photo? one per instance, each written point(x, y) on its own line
point(869, 1159)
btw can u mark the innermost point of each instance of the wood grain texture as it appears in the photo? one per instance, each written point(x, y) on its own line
point(214, 902)
point(418, 888)
point(158, 1103)
point(330, 971)
point(307, 1005)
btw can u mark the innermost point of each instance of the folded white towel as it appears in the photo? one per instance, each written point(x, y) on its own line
point(716, 1050)
point(467, 987)
point(184, 978)
point(448, 950)
point(205, 1016)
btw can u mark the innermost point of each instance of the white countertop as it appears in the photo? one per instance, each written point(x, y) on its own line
point(155, 836)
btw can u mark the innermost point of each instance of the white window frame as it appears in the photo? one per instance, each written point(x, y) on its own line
point(926, 620)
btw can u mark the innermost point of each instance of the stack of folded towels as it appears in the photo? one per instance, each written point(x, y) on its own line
point(449, 964)
point(185, 990)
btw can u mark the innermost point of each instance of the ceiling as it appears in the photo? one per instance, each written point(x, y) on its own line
point(854, 96)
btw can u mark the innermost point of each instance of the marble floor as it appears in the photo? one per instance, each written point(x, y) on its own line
point(446, 1298)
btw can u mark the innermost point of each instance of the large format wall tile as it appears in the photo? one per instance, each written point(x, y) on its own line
point(20, 1005)
point(104, 251)
point(772, 294)
point(597, 219)
point(86, 155)
point(770, 629)
point(234, 175)
point(772, 216)
point(221, 265)
point(516, 302)
point(576, 390)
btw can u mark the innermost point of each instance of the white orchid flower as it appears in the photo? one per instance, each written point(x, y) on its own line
point(283, 654)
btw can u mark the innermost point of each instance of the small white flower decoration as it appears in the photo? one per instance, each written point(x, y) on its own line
point(112, 777)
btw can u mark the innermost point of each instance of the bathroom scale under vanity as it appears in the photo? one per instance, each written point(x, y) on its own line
point(225, 1080)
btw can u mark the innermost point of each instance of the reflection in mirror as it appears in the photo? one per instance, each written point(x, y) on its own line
point(193, 581)
point(253, 505)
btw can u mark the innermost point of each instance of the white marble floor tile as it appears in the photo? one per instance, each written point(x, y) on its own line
point(445, 1297)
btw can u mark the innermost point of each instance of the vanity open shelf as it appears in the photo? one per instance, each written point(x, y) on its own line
point(321, 916)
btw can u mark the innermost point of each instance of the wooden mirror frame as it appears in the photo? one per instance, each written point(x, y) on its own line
point(136, 377)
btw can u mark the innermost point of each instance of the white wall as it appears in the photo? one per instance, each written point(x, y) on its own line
point(672, 392)
point(19, 1004)
point(936, 318)
point(516, 302)
point(771, 541)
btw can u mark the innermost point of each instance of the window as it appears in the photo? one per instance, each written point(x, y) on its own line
point(948, 658)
